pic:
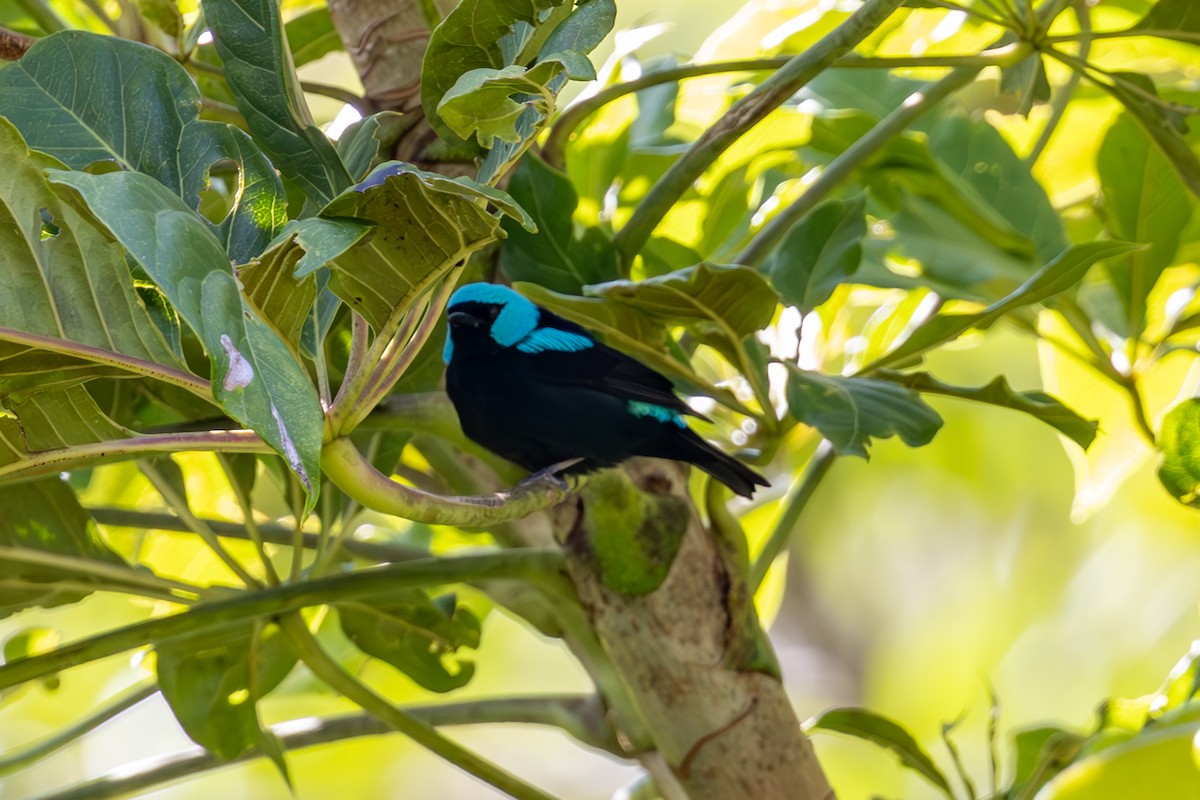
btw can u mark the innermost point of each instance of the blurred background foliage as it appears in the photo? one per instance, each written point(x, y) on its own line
point(1000, 567)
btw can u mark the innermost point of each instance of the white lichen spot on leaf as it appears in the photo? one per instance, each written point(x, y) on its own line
point(240, 372)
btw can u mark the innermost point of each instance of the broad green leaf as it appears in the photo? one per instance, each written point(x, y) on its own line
point(1158, 763)
point(1041, 753)
point(819, 252)
point(998, 393)
point(416, 635)
point(256, 378)
point(473, 36)
point(850, 412)
point(1162, 128)
point(369, 142)
point(1179, 441)
point(64, 280)
point(1145, 202)
point(864, 724)
point(311, 35)
point(84, 98)
point(43, 516)
point(632, 333)
point(737, 300)
point(1058, 276)
point(560, 255)
point(51, 419)
point(214, 680)
point(1181, 17)
point(258, 65)
point(481, 104)
point(425, 224)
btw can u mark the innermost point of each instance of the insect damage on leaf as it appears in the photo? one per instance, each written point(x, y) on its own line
point(240, 372)
point(290, 451)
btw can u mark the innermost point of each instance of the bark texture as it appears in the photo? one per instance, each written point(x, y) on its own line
point(689, 651)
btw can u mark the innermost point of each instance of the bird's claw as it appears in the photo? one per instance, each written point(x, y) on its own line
point(548, 476)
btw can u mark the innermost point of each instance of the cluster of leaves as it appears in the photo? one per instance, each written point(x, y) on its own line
point(172, 266)
point(1138, 746)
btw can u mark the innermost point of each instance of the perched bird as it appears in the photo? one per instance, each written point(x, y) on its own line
point(539, 390)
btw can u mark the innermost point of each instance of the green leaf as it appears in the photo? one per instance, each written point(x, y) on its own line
point(72, 286)
point(1179, 441)
point(850, 412)
point(473, 36)
point(481, 103)
point(737, 300)
point(1178, 16)
point(560, 255)
point(369, 142)
point(1041, 753)
point(1158, 763)
point(864, 724)
point(998, 393)
point(248, 35)
point(163, 14)
point(84, 98)
point(1144, 201)
point(425, 224)
point(1026, 79)
point(416, 635)
point(311, 35)
point(819, 253)
point(214, 680)
point(634, 334)
point(256, 377)
point(582, 32)
point(1058, 276)
point(1162, 127)
point(43, 516)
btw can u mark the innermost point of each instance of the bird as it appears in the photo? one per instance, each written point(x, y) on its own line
point(539, 390)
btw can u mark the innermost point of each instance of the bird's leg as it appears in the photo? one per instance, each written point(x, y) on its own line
point(548, 475)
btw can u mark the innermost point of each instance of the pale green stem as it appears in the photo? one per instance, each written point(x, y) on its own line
point(52, 462)
point(98, 355)
point(560, 133)
point(43, 15)
point(179, 505)
point(28, 754)
point(539, 567)
point(358, 478)
point(740, 118)
point(307, 732)
point(87, 587)
point(393, 366)
point(270, 532)
point(250, 523)
point(793, 506)
point(854, 156)
point(117, 574)
point(1058, 106)
point(1179, 36)
point(336, 677)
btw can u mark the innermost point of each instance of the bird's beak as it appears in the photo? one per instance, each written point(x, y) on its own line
point(461, 319)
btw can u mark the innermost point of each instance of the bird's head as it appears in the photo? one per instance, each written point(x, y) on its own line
point(487, 317)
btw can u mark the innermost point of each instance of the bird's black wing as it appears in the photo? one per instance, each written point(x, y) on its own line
point(603, 369)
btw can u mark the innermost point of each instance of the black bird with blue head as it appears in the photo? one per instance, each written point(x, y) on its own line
point(539, 390)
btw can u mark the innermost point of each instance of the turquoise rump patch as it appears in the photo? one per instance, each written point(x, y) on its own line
point(660, 413)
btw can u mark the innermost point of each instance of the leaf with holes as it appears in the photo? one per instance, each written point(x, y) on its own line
point(82, 98)
point(258, 65)
point(214, 680)
point(68, 307)
point(850, 412)
point(417, 635)
point(257, 379)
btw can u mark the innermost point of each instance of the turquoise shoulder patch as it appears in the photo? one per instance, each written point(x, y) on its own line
point(543, 339)
point(660, 413)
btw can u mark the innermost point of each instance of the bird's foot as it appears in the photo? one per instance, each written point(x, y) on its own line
point(548, 476)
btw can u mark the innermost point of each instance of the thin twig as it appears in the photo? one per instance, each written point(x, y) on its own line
point(13, 45)
point(1058, 107)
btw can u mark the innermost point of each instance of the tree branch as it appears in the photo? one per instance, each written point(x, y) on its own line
point(744, 115)
point(540, 567)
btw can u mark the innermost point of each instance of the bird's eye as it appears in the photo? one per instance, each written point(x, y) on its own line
point(493, 312)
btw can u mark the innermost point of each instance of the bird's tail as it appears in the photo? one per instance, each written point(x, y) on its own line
point(722, 466)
